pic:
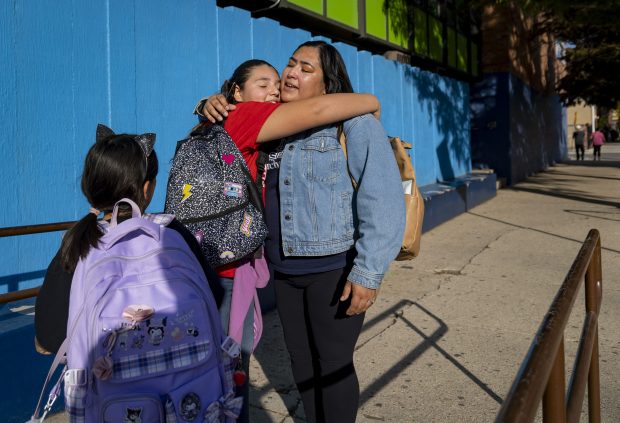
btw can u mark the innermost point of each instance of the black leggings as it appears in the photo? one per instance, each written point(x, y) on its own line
point(597, 152)
point(578, 149)
point(320, 339)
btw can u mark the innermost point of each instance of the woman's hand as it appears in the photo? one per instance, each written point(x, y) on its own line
point(215, 108)
point(363, 298)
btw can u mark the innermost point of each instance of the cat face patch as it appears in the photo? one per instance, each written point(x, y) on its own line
point(133, 415)
point(190, 407)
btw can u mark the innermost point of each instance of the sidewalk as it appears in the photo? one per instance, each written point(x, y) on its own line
point(450, 329)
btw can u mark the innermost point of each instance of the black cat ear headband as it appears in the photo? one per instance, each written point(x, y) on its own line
point(145, 141)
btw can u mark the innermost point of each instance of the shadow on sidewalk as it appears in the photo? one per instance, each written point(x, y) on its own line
point(274, 361)
point(561, 184)
point(567, 194)
point(595, 214)
point(556, 172)
point(592, 163)
point(578, 241)
point(430, 341)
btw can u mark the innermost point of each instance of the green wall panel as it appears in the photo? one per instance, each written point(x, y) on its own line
point(474, 59)
point(375, 19)
point(435, 36)
point(451, 47)
point(397, 23)
point(461, 56)
point(343, 11)
point(397, 38)
point(315, 6)
point(420, 43)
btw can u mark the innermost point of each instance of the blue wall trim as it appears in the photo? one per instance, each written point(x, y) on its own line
point(515, 130)
point(11, 283)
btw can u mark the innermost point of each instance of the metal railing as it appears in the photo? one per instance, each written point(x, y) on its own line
point(35, 229)
point(541, 375)
point(29, 230)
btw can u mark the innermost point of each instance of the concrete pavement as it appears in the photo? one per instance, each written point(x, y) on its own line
point(450, 329)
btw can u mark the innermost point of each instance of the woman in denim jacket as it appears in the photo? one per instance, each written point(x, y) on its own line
point(329, 244)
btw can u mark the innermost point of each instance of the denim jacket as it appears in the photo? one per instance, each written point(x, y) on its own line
point(321, 213)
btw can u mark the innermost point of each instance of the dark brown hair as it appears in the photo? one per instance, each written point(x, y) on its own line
point(335, 76)
point(115, 168)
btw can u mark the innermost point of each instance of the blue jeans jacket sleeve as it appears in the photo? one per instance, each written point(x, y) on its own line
point(378, 203)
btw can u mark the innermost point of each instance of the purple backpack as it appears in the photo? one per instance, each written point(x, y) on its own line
point(144, 338)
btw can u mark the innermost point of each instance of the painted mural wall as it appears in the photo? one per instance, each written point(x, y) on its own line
point(140, 66)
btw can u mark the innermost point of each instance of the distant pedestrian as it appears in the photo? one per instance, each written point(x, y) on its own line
point(579, 137)
point(589, 135)
point(598, 139)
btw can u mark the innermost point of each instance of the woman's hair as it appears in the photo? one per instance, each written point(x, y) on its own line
point(239, 77)
point(115, 168)
point(335, 76)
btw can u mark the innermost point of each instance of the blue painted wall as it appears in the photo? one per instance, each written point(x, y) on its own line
point(515, 130)
point(140, 66)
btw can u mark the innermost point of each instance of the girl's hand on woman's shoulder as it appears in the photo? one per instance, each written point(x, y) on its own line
point(215, 108)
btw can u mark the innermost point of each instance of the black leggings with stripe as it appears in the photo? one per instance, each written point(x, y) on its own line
point(320, 339)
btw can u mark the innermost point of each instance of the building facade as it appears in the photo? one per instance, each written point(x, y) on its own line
point(518, 121)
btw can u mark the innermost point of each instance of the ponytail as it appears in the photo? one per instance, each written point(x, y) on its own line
point(78, 241)
point(115, 167)
point(228, 90)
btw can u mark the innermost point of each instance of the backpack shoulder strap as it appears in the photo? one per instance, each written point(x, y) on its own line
point(342, 139)
point(261, 163)
point(161, 219)
point(60, 358)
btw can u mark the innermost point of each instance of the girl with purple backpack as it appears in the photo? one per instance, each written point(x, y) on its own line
point(126, 304)
point(114, 169)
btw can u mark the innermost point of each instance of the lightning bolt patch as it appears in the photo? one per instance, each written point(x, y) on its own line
point(187, 192)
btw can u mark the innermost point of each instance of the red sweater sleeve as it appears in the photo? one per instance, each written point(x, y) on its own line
point(243, 125)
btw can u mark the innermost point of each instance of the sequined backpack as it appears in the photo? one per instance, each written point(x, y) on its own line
point(144, 337)
point(210, 190)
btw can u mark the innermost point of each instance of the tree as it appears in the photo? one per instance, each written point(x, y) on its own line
point(589, 30)
point(590, 33)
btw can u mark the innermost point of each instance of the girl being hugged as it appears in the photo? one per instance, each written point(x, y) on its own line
point(254, 117)
point(329, 244)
